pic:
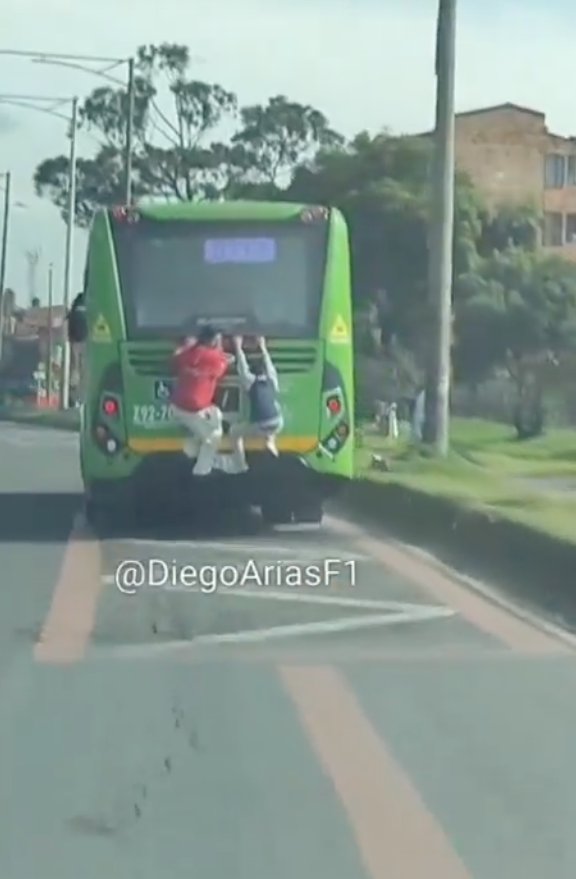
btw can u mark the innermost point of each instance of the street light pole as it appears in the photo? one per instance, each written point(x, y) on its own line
point(437, 420)
point(70, 221)
point(129, 132)
point(4, 255)
point(50, 353)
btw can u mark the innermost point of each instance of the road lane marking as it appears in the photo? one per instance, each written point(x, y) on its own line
point(490, 614)
point(395, 832)
point(424, 611)
point(68, 626)
point(292, 630)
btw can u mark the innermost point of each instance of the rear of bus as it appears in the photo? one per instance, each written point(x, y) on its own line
point(155, 273)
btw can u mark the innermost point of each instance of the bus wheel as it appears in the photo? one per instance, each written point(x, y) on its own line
point(106, 517)
point(93, 512)
point(311, 513)
point(275, 513)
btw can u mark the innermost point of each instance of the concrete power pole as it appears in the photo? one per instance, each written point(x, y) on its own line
point(437, 420)
point(33, 259)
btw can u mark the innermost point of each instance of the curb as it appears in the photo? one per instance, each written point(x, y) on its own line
point(530, 565)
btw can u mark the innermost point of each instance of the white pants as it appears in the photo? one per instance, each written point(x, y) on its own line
point(205, 432)
point(240, 432)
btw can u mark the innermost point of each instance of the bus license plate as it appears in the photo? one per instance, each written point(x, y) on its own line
point(153, 415)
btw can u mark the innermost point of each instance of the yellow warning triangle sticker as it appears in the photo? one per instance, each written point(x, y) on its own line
point(339, 331)
point(101, 331)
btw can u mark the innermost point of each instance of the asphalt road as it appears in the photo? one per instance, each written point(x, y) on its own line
point(364, 717)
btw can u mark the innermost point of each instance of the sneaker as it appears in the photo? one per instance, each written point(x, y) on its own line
point(271, 447)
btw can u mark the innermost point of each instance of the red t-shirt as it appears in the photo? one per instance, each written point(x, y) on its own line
point(198, 370)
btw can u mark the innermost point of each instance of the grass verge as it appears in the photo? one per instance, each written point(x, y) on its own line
point(488, 470)
point(498, 508)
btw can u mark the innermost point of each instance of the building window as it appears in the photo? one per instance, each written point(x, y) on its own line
point(571, 229)
point(571, 171)
point(553, 230)
point(555, 171)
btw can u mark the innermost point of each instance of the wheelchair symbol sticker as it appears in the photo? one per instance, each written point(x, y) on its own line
point(162, 390)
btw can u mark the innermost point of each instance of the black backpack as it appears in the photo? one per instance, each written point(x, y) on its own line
point(263, 401)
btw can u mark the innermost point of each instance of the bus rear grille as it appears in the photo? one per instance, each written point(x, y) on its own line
point(289, 359)
point(145, 360)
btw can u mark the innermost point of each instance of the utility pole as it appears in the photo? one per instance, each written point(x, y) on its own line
point(71, 218)
point(437, 420)
point(4, 255)
point(50, 354)
point(129, 131)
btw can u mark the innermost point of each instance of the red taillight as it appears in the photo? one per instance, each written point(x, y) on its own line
point(110, 407)
point(334, 405)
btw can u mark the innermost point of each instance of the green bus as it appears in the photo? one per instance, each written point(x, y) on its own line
point(279, 270)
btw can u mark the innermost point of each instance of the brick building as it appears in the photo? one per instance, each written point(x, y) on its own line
point(512, 157)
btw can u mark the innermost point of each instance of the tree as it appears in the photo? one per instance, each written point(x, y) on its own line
point(176, 154)
point(382, 185)
point(276, 138)
point(517, 313)
point(510, 225)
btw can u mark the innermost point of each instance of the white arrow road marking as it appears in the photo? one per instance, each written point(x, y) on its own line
point(295, 630)
point(397, 613)
point(336, 600)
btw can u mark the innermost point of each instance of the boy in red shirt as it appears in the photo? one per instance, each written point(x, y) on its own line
point(200, 365)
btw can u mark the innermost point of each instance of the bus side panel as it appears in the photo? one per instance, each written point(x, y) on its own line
point(103, 372)
point(336, 454)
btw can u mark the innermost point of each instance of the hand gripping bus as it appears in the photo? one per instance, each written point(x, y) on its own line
point(277, 270)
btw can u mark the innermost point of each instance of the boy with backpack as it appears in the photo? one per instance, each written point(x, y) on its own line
point(261, 385)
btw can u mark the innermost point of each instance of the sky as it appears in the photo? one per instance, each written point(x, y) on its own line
point(366, 64)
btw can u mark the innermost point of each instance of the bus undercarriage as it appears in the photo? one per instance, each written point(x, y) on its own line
point(285, 489)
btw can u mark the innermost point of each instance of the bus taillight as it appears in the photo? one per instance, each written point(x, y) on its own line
point(110, 407)
point(334, 405)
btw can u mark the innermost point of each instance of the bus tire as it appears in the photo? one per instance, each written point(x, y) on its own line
point(309, 514)
point(93, 512)
point(104, 513)
point(274, 513)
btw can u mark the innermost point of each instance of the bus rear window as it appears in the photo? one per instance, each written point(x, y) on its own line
point(248, 277)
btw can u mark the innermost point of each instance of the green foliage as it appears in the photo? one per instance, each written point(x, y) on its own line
point(517, 310)
point(382, 185)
